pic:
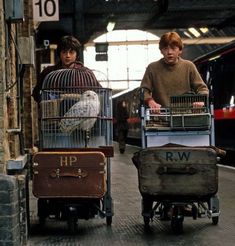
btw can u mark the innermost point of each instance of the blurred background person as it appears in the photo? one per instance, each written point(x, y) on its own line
point(122, 125)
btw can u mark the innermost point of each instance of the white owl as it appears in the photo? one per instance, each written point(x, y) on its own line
point(84, 112)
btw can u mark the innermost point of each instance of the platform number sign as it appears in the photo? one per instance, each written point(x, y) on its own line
point(45, 10)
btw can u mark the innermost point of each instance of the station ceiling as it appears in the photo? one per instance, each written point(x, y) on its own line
point(87, 19)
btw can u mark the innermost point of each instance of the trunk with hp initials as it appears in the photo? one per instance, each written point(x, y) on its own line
point(69, 175)
point(177, 172)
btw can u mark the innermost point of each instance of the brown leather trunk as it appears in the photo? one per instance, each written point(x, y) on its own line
point(177, 171)
point(69, 174)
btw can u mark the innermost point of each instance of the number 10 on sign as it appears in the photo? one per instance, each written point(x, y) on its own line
point(45, 10)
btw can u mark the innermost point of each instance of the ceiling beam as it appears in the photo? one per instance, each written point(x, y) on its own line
point(193, 41)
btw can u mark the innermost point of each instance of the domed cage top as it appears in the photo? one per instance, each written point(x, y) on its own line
point(75, 111)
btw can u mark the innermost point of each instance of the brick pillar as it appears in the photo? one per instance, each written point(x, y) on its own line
point(13, 210)
point(9, 211)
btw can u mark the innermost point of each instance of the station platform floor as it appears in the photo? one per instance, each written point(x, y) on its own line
point(128, 227)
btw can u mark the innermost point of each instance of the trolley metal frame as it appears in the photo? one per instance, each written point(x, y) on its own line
point(176, 125)
point(73, 122)
point(165, 129)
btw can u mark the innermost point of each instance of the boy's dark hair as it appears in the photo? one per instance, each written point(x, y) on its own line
point(170, 39)
point(68, 43)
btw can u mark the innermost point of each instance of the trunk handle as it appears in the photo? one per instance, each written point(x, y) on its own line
point(79, 173)
point(176, 170)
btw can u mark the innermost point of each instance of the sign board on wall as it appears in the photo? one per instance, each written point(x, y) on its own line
point(45, 10)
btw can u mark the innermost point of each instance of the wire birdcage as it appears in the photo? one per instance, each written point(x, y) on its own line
point(75, 111)
point(185, 112)
point(189, 104)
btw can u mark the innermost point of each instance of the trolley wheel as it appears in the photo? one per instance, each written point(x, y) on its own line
point(194, 211)
point(42, 220)
point(177, 225)
point(146, 221)
point(109, 220)
point(215, 220)
point(164, 212)
point(42, 211)
point(72, 219)
point(72, 224)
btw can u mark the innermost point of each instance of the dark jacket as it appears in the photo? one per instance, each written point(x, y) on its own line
point(122, 116)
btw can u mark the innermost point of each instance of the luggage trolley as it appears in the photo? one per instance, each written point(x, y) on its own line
point(71, 171)
point(177, 165)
